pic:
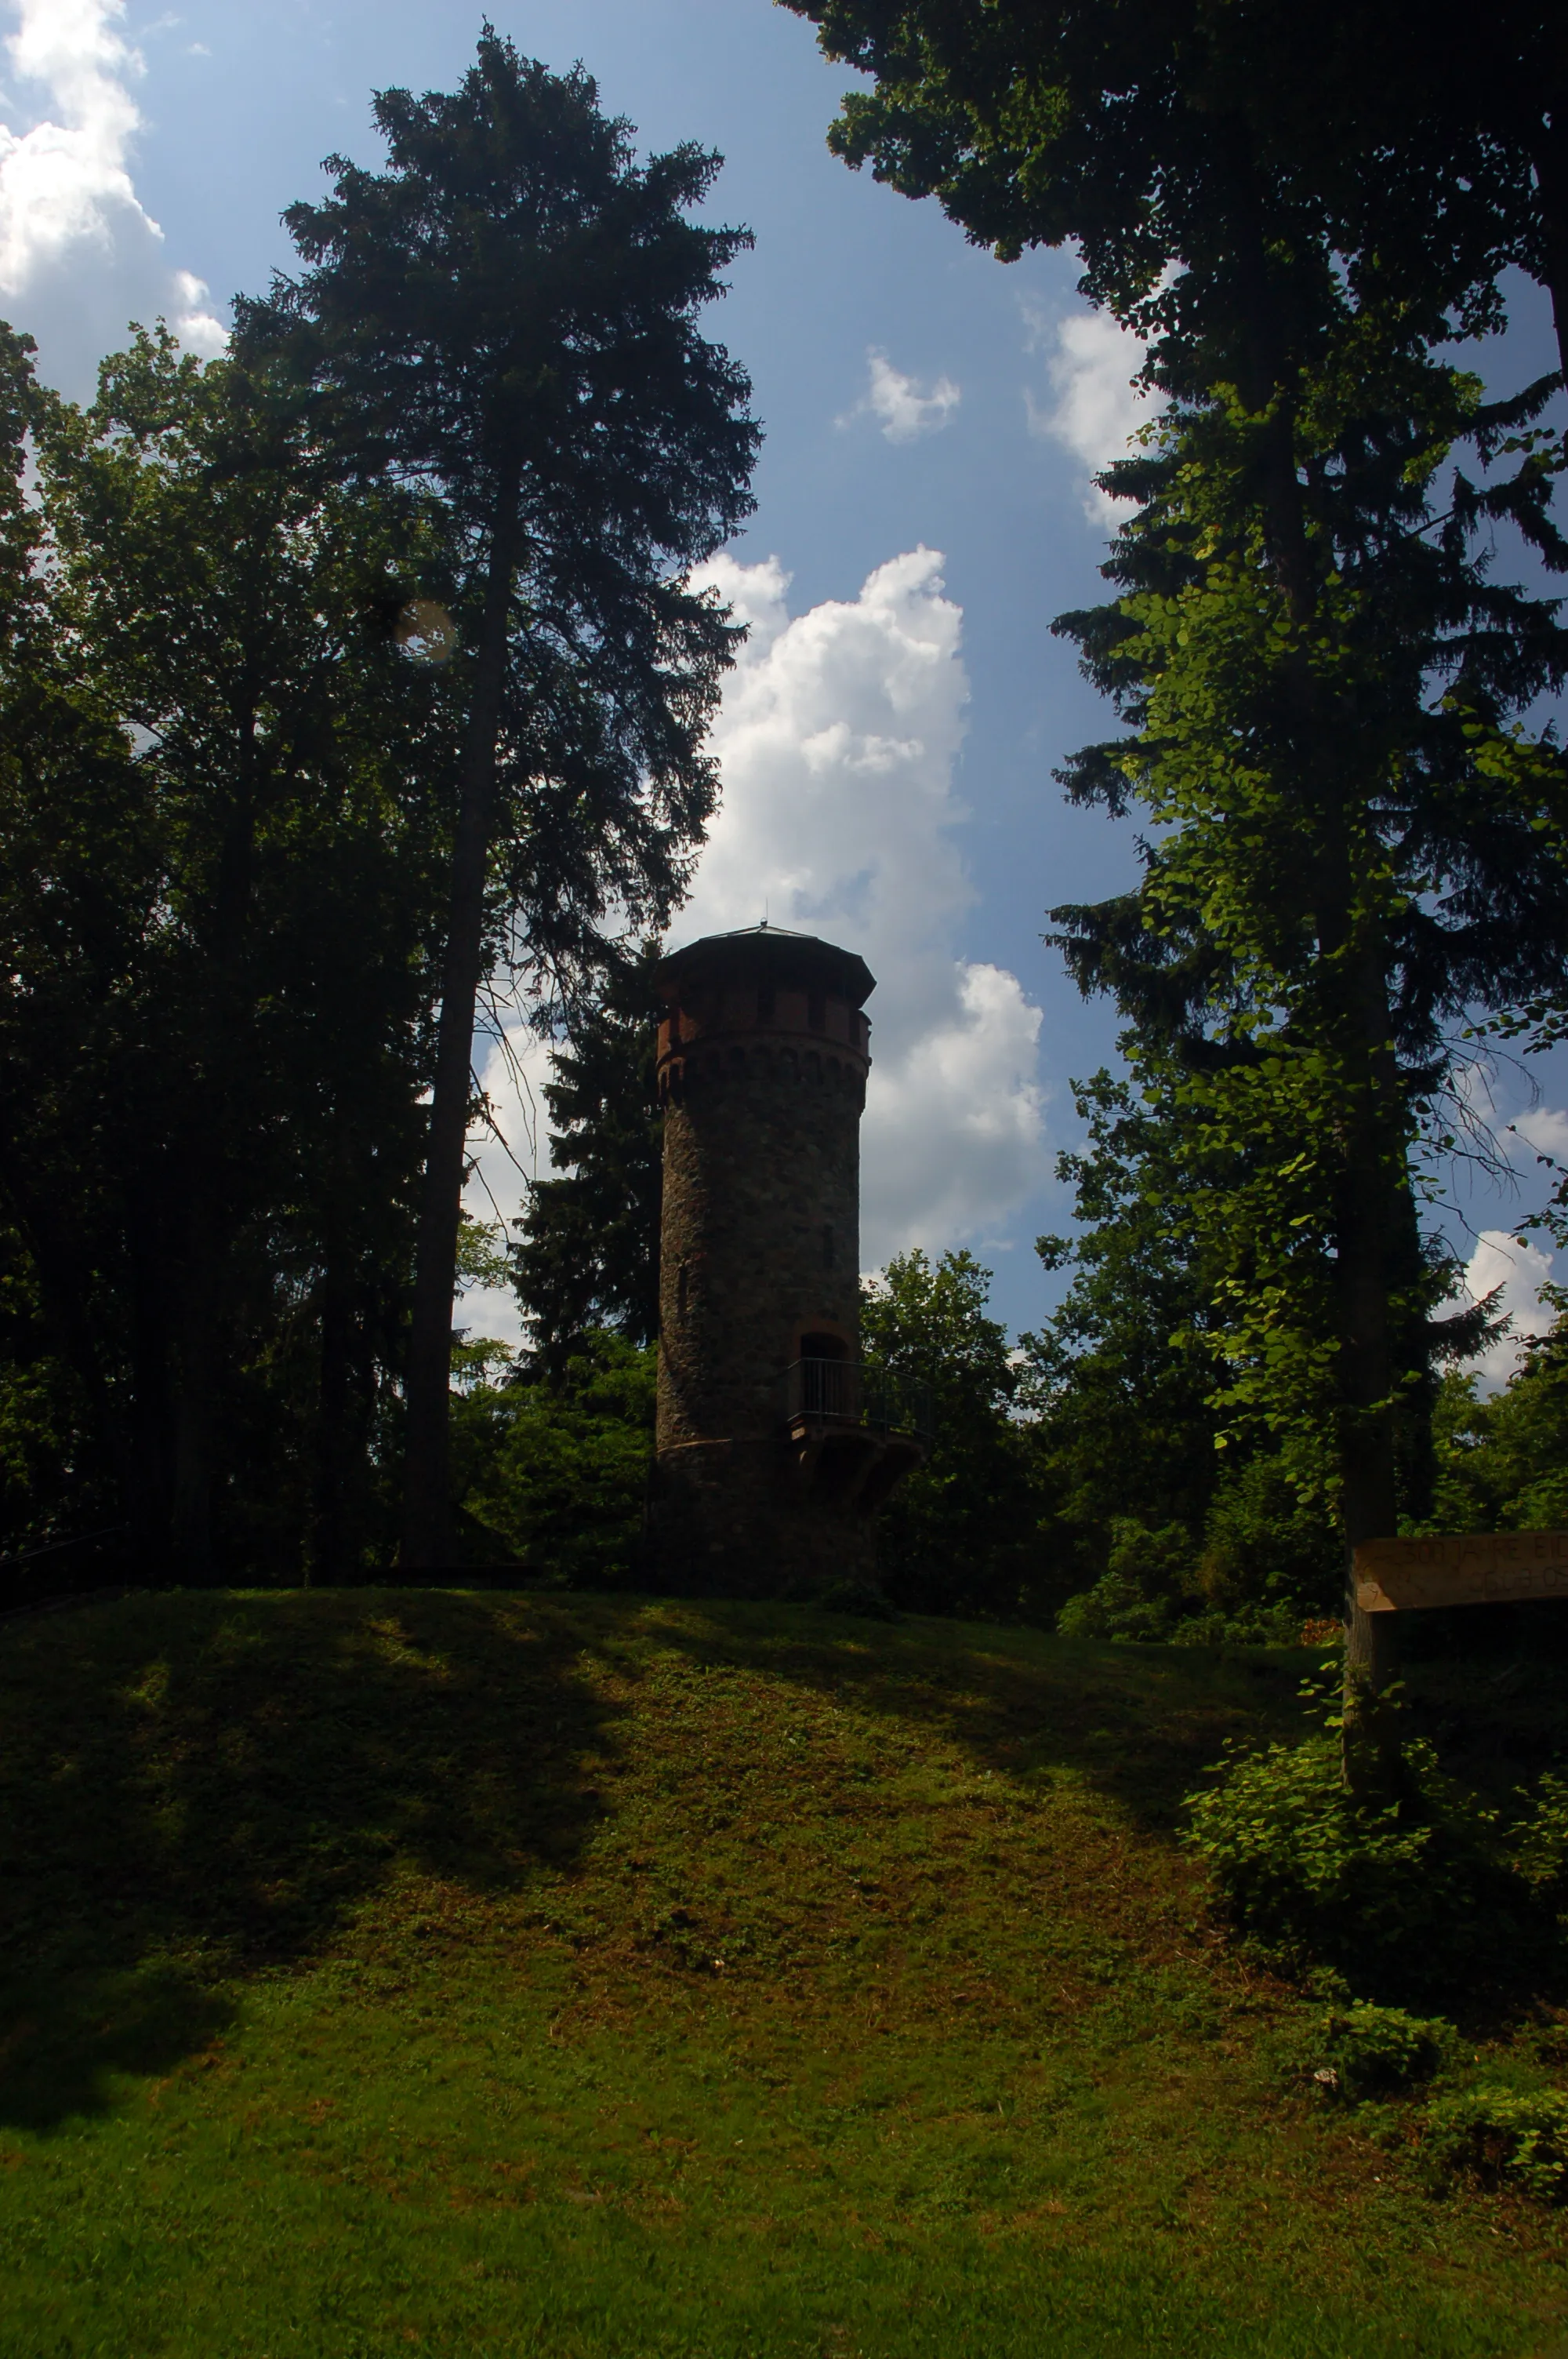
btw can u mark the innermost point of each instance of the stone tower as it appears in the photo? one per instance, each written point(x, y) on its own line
point(771, 1455)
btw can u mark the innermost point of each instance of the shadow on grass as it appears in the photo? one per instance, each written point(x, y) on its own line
point(1142, 1725)
point(1139, 1724)
point(195, 1786)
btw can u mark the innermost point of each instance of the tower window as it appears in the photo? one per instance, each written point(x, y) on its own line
point(765, 1003)
point(827, 1261)
point(817, 1010)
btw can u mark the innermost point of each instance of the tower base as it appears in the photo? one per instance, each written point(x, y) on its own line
point(772, 1518)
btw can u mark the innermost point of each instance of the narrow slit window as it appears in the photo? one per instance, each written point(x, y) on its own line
point(827, 1255)
point(817, 1010)
point(765, 1003)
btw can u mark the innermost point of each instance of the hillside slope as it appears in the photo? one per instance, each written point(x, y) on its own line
point(397, 1970)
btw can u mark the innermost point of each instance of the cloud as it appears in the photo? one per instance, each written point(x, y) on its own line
point(896, 402)
point(1520, 1269)
point(79, 255)
point(1545, 1129)
point(1096, 407)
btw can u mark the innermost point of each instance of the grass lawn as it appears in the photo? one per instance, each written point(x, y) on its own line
point(396, 1971)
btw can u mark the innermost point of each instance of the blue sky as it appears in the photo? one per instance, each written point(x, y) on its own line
point(889, 741)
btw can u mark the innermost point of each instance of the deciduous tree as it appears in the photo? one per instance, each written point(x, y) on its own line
point(226, 794)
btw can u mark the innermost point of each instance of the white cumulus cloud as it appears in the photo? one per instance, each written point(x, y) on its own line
point(1521, 1270)
point(1093, 407)
point(79, 255)
point(900, 408)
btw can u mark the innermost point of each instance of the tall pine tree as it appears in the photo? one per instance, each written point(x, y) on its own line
point(508, 316)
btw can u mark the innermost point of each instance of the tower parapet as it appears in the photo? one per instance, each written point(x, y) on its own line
point(761, 1480)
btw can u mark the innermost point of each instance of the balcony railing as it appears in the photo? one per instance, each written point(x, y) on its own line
point(842, 1392)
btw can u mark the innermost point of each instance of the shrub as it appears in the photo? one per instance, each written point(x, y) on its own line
point(1516, 2137)
point(1395, 1893)
point(1371, 2051)
point(1139, 1596)
point(1538, 1845)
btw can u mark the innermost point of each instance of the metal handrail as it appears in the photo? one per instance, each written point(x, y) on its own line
point(845, 1392)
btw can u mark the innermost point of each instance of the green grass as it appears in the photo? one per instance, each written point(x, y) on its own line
point(452, 1973)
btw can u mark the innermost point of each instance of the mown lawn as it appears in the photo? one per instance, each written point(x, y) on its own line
point(397, 1970)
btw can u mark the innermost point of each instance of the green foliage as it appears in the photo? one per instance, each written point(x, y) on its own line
point(224, 793)
point(1149, 135)
point(1501, 1465)
point(53, 1484)
point(1169, 1536)
point(1373, 2051)
point(862, 1598)
point(1408, 1882)
point(1309, 1868)
point(556, 1472)
point(1537, 1847)
point(959, 1536)
point(1266, 1551)
point(508, 314)
point(1140, 1595)
point(1320, 900)
point(1119, 1377)
point(1325, 693)
point(589, 1253)
point(1503, 2138)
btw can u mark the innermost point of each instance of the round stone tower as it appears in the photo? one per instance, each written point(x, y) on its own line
point(768, 1463)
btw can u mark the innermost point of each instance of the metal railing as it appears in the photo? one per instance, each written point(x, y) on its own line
point(843, 1392)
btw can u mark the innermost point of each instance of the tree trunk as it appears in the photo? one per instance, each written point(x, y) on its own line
point(428, 1506)
point(202, 1286)
point(1371, 1219)
point(1549, 155)
point(329, 1522)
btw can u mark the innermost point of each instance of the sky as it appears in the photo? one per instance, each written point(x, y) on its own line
point(924, 509)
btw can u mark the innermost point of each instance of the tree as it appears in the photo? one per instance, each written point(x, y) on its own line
point(507, 316)
point(1120, 1376)
point(588, 1255)
point(1237, 203)
point(1502, 1463)
point(1149, 135)
point(1173, 1525)
point(224, 792)
point(959, 1535)
point(1358, 843)
point(553, 1472)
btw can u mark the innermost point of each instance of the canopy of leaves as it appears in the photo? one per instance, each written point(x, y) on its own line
point(225, 795)
point(589, 1253)
point(958, 1536)
point(552, 1475)
point(1427, 162)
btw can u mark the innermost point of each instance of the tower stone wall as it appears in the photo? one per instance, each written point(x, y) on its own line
point(763, 1053)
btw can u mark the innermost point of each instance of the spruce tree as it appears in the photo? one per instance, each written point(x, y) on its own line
point(589, 1253)
point(507, 315)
